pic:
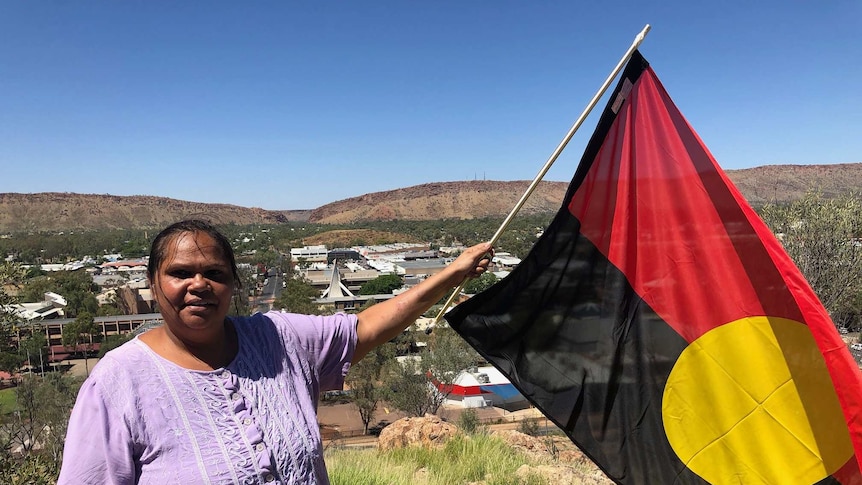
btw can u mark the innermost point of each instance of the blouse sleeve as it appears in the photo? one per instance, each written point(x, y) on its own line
point(98, 446)
point(329, 340)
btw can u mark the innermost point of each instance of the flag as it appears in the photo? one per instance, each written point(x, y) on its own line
point(660, 324)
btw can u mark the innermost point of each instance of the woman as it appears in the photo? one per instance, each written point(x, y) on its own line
point(209, 399)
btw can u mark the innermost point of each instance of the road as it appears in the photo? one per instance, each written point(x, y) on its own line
point(271, 290)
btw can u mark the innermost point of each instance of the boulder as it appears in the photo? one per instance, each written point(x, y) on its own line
point(428, 431)
point(529, 445)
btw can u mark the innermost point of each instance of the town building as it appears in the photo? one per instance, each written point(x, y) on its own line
point(130, 267)
point(420, 267)
point(52, 306)
point(339, 297)
point(485, 386)
point(310, 254)
point(343, 254)
point(505, 261)
point(110, 325)
point(353, 280)
point(135, 300)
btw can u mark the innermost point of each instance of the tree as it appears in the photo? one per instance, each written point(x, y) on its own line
point(82, 332)
point(109, 307)
point(298, 297)
point(31, 438)
point(366, 305)
point(76, 287)
point(35, 349)
point(448, 355)
point(11, 276)
point(10, 362)
point(382, 285)
point(111, 342)
point(421, 384)
point(240, 305)
point(55, 397)
point(480, 284)
point(363, 379)
point(302, 263)
point(822, 237)
point(30, 427)
point(269, 258)
point(407, 387)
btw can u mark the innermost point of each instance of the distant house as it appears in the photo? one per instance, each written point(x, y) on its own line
point(485, 386)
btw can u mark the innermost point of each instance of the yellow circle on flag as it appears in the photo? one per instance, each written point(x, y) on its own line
point(752, 402)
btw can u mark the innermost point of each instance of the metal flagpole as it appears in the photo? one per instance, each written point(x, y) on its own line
point(553, 158)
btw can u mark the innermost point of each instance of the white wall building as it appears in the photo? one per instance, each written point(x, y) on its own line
point(309, 253)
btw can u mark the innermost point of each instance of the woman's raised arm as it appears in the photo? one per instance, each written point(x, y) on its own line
point(384, 321)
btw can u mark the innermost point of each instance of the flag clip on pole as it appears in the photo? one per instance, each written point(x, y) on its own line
point(553, 158)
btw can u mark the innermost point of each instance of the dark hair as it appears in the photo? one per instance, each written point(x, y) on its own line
point(160, 245)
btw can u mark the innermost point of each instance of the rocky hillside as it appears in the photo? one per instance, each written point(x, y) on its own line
point(460, 200)
point(466, 200)
point(783, 183)
point(63, 211)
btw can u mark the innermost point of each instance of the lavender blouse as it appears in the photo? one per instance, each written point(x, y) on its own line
point(140, 418)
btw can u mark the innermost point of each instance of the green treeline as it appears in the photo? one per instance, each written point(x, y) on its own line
point(45, 247)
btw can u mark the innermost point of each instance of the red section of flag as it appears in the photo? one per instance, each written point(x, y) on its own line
point(658, 207)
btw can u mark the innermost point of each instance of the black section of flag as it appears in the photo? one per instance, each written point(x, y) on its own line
point(597, 368)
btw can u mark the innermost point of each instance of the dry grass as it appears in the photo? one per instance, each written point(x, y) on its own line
point(465, 459)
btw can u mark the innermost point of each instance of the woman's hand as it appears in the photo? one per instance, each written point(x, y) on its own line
point(383, 321)
point(472, 262)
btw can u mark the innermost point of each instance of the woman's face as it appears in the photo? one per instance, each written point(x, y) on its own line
point(193, 285)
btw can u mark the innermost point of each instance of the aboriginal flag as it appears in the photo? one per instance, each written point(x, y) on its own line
point(661, 325)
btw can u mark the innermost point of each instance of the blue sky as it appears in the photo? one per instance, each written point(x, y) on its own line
point(291, 105)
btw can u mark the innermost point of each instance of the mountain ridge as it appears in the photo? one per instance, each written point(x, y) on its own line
point(57, 211)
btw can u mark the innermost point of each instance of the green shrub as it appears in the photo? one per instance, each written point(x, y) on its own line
point(529, 426)
point(468, 421)
point(34, 469)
